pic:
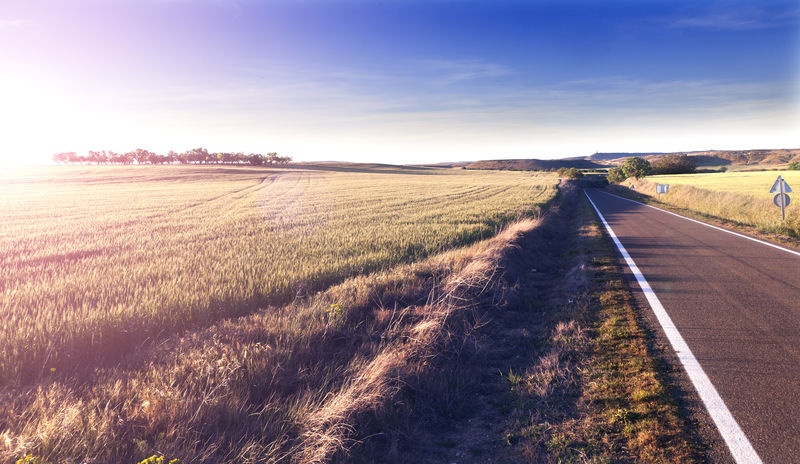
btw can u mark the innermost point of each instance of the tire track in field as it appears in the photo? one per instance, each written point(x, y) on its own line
point(33, 260)
point(428, 202)
point(124, 225)
point(467, 198)
point(237, 194)
point(288, 203)
point(107, 250)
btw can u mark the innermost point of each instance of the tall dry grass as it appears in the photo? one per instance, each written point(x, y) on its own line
point(369, 391)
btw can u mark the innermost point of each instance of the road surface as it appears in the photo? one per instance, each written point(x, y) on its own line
point(736, 303)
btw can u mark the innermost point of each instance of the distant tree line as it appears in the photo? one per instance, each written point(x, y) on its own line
point(193, 156)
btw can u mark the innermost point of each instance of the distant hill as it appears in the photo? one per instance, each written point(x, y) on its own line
point(605, 160)
point(716, 157)
point(534, 164)
point(746, 157)
point(614, 156)
point(453, 164)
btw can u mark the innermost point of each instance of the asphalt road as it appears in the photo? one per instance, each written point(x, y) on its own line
point(736, 303)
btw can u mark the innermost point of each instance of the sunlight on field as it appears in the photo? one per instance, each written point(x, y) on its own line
point(756, 183)
point(96, 259)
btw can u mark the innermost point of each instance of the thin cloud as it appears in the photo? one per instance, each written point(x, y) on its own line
point(721, 22)
point(446, 72)
point(740, 20)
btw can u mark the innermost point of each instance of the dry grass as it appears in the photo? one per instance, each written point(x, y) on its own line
point(400, 363)
point(281, 385)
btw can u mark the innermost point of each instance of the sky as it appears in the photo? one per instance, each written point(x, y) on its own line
point(397, 81)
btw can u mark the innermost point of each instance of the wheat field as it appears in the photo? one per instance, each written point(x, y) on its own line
point(211, 314)
point(97, 259)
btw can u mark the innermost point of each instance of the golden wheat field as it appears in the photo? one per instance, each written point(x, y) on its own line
point(97, 259)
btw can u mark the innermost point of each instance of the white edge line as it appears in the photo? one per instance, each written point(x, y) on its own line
point(738, 444)
point(707, 224)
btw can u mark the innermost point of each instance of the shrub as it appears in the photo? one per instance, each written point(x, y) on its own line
point(571, 173)
point(794, 166)
point(674, 164)
point(636, 167)
point(615, 175)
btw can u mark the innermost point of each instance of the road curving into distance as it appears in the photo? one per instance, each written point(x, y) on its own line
point(730, 307)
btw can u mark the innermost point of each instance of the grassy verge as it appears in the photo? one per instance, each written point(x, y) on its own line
point(594, 392)
point(425, 371)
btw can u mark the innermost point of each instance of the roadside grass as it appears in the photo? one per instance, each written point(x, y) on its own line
point(719, 202)
point(97, 260)
point(628, 387)
point(594, 393)
point(425, 372)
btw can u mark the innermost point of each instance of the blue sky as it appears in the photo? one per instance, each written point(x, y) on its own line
point(398, 81)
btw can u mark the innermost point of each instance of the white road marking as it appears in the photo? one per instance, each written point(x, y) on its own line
point(708, 225)
point(738, 444)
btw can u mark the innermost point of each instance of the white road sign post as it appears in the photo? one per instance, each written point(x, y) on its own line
point(661, 188)
point(781, 199)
